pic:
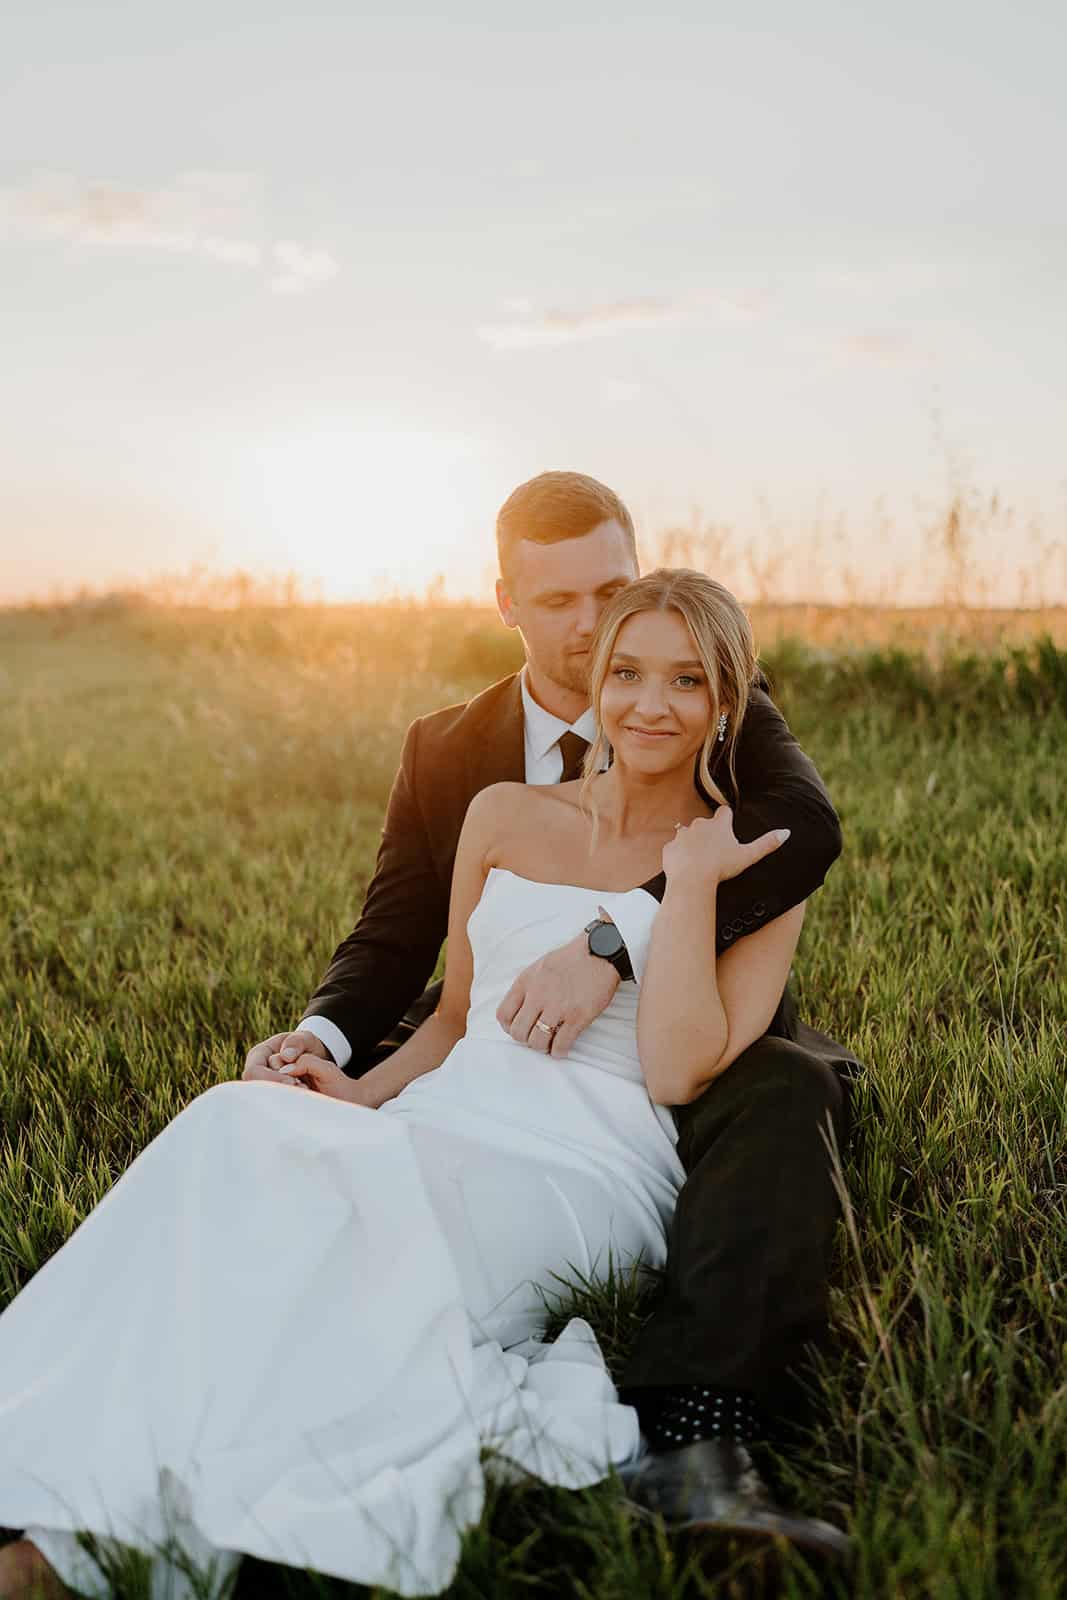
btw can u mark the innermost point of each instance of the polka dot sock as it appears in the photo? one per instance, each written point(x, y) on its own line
point(686, 1414)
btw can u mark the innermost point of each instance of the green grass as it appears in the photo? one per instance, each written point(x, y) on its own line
point(190, 811)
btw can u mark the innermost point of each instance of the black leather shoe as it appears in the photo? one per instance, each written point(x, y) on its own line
point(714, 1485)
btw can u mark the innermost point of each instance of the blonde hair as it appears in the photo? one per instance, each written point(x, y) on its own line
point(727, 652)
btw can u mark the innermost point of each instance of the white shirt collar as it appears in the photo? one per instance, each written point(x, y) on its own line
point(543, 730)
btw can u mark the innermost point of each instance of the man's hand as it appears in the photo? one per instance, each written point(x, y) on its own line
point(263, 1060)
point(566, 990)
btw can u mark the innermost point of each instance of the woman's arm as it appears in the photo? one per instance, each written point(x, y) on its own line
point(432, 1041)
point(698, 1012)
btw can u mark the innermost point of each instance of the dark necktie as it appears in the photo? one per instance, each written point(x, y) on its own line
point(572, 748)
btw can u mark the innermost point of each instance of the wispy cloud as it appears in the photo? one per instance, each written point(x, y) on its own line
point(882, 349)
point(884, 281)
point(198, 213)
point(300, 268)
point(533, 329)
point(211, 215)
point(620, 391)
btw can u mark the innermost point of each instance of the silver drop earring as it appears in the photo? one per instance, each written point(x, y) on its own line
point(722, 727)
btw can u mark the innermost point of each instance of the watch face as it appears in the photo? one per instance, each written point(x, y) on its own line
point(605, 940)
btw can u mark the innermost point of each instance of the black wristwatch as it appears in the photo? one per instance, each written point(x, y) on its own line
point(606, 941)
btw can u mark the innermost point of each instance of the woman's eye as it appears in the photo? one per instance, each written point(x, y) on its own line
point(688, 682)
point(625, 673)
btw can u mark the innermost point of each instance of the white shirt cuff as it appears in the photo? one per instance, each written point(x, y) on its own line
point(331, 1036)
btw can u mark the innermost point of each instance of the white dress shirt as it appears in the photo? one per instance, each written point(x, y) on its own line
point(542, 733)
point(543, 763)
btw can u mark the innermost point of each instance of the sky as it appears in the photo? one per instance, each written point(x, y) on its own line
point(311, 291)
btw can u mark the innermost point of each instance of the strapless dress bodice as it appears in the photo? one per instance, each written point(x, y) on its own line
point(594, 1100)
point(518, 919)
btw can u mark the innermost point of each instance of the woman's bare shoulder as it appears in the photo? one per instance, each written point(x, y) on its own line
point(506, 808)
point(523, 826)
point(512, 799)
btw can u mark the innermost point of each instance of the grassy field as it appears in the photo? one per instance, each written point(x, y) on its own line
point(191, 803)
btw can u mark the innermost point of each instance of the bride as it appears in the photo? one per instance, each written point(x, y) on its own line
point(295, 1320)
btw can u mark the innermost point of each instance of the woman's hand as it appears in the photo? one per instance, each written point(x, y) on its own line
point(707, 850)
point(325, 1077)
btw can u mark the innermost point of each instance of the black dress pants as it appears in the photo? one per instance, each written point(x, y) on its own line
point(746, 1283)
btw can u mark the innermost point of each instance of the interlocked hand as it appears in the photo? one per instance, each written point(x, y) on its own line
point(264, 1059)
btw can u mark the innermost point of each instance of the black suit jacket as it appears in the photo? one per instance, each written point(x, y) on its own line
point(448, 756)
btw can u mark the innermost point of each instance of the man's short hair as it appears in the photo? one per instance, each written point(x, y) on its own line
point(555, 506)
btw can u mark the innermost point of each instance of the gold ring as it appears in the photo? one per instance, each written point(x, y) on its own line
point(544, 1027)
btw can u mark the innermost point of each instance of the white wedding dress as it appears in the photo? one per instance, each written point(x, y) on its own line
point(291, 1325)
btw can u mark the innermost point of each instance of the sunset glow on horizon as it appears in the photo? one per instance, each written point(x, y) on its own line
point(312, 293)
point(358, 513)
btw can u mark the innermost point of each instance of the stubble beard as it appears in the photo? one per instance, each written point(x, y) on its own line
point(574, 675)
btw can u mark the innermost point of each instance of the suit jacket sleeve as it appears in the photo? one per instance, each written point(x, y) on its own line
point(389, 957)
point(779, 787)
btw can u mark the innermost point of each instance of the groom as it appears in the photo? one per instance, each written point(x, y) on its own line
point(745, 1285)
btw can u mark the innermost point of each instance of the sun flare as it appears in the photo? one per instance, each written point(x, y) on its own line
point(362, 513)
